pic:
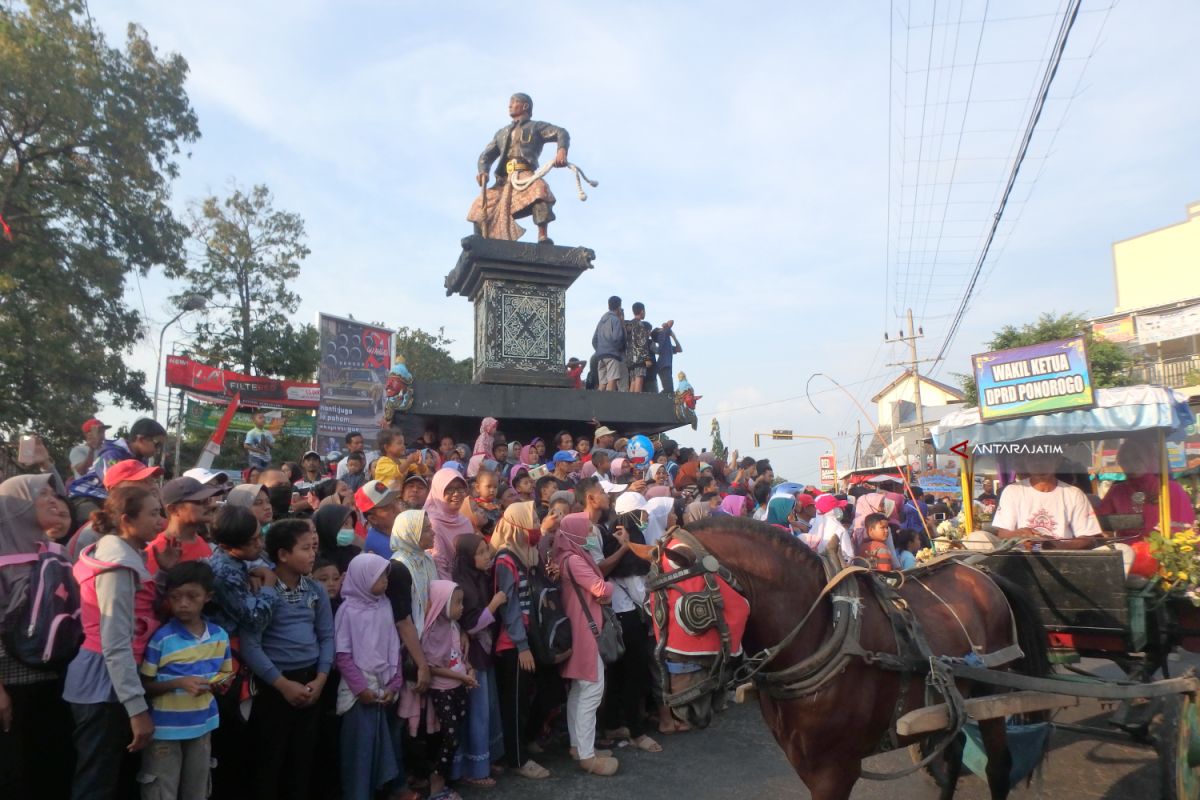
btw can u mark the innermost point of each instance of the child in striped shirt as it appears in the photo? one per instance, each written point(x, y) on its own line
point(185, 659)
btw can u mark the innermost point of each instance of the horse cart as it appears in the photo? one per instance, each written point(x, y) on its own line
point(1087, 604)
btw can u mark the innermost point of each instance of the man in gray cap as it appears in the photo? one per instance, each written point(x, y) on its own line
point(190, 507)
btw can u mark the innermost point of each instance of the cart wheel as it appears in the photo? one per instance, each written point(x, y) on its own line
point(1175, 729)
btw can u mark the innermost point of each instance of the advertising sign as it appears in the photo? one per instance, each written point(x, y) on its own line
point(828, 470)
point(205, 416)
point(355, 359)
point(1039, 378)
point(184, 373)
point(1115, 330)
point(1165, 325)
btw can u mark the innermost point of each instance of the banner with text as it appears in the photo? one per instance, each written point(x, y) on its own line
point(355, 359)
point(204, 416)
point(1037, 379)
point(184, 373)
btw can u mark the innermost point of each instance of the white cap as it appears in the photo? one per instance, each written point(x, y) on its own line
point(212, 476)
point(612, 488)
point(629, 501)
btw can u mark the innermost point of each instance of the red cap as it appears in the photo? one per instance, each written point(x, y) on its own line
point(805, 500)
point(93, 423)
point(129, 470)
point(373, 493)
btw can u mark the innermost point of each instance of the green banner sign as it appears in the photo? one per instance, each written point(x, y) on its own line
point(301, 424)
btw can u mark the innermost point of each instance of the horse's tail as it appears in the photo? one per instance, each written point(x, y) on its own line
point(1031, 634)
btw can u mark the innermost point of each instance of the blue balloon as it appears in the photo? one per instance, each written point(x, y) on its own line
point(639, 451)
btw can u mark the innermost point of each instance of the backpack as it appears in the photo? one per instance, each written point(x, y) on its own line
point(45, 631)
point(549, 630)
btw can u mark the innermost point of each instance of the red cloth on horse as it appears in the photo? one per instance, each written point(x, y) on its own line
point(682, 642)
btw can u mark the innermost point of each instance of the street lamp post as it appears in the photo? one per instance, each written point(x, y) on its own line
point(782, 435)
point(192, 302)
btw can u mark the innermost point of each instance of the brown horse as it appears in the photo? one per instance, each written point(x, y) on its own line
point(826, 735)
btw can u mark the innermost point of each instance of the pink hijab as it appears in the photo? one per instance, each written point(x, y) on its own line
point(658, 491)
point(486, 430)
point(617, 468)
point(734, 504)
point(364, 626)
point(573, 531)
point(440, 639)
point(528, 456)
point(589, 469)
point(448, 522)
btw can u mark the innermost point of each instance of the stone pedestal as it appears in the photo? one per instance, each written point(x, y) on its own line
point(519, 291)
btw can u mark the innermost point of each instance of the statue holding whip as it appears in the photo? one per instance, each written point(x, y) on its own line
point(520, 190)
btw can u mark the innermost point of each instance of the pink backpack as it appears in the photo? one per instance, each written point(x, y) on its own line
point(46, 629)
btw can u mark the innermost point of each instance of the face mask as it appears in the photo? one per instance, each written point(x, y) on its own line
point(595, 550)
point(345, 537)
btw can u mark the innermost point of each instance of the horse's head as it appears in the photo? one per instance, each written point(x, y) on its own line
point(699, 617)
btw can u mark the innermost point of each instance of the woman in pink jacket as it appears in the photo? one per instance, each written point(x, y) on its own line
point(584, 668)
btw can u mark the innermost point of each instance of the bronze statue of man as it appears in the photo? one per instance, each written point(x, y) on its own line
point(516, 149)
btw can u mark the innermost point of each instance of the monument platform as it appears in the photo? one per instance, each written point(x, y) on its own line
point(527, 411)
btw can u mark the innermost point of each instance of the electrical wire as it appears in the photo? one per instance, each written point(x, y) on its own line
point(1052, 70)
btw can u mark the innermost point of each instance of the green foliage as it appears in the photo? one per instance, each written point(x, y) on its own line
point(1109, 362)
point(250, 257)
point(89, 136)
point(718, 446)
point(428, 356)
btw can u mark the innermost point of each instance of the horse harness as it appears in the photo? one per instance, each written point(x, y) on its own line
point(701, 610)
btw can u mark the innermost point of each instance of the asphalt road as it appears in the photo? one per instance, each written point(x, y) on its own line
point(737, 758)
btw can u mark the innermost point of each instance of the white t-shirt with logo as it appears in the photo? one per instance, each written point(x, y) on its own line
point(1062, 513)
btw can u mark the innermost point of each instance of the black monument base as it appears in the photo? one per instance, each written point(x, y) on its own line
point(519, 291)
point(527, 411)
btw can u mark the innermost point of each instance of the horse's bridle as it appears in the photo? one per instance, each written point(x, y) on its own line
point(698, 612)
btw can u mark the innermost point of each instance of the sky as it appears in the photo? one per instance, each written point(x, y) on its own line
point(783, 180)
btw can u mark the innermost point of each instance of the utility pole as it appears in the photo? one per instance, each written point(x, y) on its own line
point(857, 441)
point(913, 365)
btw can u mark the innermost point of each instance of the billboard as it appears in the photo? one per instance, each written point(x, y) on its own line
point(1036, 379)
point(355, 359)
point(255, 390)
point(204, 416)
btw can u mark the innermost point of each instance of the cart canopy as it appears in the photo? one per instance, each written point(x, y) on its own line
point(1118, 412)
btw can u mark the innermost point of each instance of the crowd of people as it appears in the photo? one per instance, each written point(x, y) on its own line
point(367, 623)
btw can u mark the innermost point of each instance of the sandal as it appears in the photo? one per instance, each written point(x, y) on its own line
point(599, 765)
point(480, 783)
point(646, 744)
point(598, 752)
point(533, 770)
point(678, 727)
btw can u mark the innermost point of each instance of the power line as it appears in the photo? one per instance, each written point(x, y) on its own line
point(1052, 69)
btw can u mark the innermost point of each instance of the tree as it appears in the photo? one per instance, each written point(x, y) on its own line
point(718, 446)
point(250, 258)
point(1109, 362)
point(89, 136)
point(428, 356)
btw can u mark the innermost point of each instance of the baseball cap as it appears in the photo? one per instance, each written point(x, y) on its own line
point(129, 470)
point(604, 430)
point(310, 453)
point(148, 428)
point(92, 424)
point(415, 478)
point(566, 456)
point(333, 455)
point(827, 502)
point(184, 490)
point(629, 501)
point(804, 500)
point(373, 493)
point(210, 476)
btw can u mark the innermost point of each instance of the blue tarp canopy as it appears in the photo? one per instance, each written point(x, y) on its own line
point(1118, 412)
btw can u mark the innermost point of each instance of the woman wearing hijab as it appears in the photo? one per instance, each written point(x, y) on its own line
point(516, 538)
point(734, 505)
point(827, 524)
point(582, 581)
point(658, 510)
point(447, 492)
point(367, 649)
point(629, 678)
point(255, 497)
point(618, 468)
point(688, 474)
point(483, 739)
point(36, 758)
point(335, 534)
point(779, 512)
